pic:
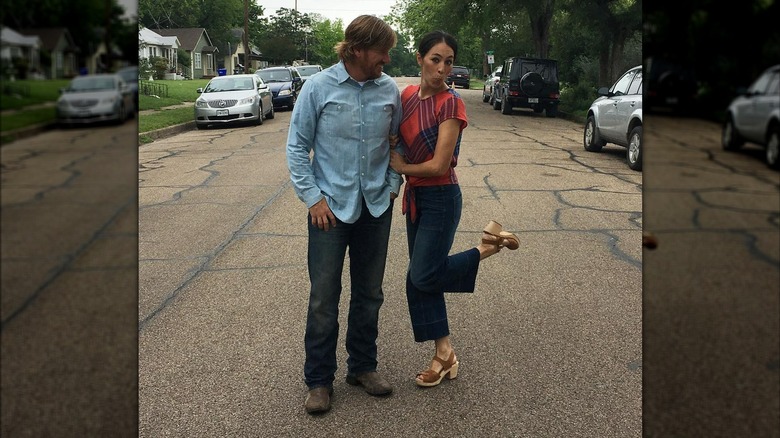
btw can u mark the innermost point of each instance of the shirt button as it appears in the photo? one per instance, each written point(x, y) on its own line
point(363, 157)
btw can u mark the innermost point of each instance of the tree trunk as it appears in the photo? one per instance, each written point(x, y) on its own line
point(540, 27)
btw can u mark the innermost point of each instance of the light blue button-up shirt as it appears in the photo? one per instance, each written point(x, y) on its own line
point(347, 126)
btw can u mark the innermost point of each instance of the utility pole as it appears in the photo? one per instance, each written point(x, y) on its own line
point(246, 36)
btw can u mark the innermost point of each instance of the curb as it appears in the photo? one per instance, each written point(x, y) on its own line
point(28, 131)
point(166, 132)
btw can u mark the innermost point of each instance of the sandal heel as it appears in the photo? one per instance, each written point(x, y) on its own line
point(453, 372)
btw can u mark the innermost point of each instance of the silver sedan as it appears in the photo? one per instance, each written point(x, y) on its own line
point(234, 98)
point(95, 98)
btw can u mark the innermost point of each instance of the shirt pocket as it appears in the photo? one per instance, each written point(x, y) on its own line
point(378, 121)
point(340, 120)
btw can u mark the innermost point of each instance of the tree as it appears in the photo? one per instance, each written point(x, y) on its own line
point(324, 37)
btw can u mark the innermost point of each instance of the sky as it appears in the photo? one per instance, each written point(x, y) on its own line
point(347, 10)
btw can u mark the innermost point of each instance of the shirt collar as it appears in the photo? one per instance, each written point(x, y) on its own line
point(343, 75)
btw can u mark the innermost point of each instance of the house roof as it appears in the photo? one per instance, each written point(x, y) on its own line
point(149, 36)
point(51, 36)
point(188, 37)
point(11, 37)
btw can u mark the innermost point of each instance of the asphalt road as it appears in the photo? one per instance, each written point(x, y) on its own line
point(203, 318)
point(550, 343)
point(712, 287)
point(68, 356)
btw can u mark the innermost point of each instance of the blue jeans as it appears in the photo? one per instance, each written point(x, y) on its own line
point(431, 270)
point(367, 241)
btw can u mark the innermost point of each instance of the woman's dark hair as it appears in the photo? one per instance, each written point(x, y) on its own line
point(430, 39)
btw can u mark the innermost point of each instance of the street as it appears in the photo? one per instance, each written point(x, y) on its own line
point(550, 343)
point(69, 283)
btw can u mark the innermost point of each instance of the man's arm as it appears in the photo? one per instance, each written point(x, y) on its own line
point(393, 178)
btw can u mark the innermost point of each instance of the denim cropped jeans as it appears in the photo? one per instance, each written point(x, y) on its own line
point(367, 241)
point(432, 271)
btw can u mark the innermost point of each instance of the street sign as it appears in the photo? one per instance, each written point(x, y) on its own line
point(490, 59)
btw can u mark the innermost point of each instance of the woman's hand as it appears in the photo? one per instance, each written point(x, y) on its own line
point(397, 161)
point(393, 141)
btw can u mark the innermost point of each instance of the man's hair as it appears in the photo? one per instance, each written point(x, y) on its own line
point(364, 33)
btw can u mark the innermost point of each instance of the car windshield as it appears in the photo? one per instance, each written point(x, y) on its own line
point(91, 84)
point(308, 71)
point(460, 70)
point(129, 75)
point(547, 71)
point(274, 75)
point(228, 84)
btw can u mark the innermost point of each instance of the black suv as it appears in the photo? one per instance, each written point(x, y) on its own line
point(527, 83)
point(459, 76)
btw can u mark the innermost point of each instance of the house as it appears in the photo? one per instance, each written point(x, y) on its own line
point(237, 55)
point(151, 45)
point(20, 53)
point(196, 42)
point(61, 52)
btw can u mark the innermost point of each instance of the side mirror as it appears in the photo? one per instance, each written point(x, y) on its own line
point(199, 90)
point(603, 91)
point(262, 87)
point(296, 80)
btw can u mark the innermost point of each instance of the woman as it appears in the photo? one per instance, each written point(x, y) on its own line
point(433, 120)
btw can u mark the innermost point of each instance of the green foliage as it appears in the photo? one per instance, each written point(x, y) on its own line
point(324, 37)
point(183, 58)
point(159, 66)
point(22, 93)
point(165, 118)
point(178, 92)
point(29, 117)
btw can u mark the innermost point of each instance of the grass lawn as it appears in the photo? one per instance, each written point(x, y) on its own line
point(165, 118)
point(177, 93)
point(21, 93)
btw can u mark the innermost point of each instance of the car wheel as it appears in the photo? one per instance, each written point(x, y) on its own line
point(730, 139)
point(496, 103)
point(634, 153)
point(506, 107)
point(491, 99)
point(591, 138)
point(485, 97)
point(271, 113)
point(773, 149)
point(259, 120)
point(122, 115)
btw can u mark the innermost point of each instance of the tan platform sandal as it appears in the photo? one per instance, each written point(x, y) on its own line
point(449, 369)
point(502, 238)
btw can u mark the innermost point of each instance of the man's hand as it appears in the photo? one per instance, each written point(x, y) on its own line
point(397, 161)
point(393, 195)
point(321, 216)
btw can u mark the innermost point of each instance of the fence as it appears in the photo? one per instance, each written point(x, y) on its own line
point(148, 88)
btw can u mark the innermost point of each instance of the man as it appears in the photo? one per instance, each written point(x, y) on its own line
point(345, 114)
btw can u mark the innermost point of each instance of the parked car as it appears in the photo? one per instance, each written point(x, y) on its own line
point(528, 83)
point(234, 98)
point(754, 116)
point(307, 70)
point(490, 81)
point(616, 117)
point(285, 84)
point(459, 76)
point(130, 75)
point(95, 98)
point(670, 86)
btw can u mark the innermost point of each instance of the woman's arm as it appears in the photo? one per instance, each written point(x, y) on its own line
point(449, 130)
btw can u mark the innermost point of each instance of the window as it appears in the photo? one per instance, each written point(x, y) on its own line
point(197, 60)
point(636, 84)
point(621, 86)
